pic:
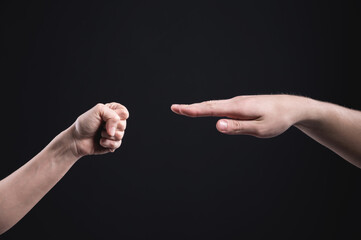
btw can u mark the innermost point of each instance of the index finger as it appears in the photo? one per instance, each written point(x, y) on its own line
point(215, 108)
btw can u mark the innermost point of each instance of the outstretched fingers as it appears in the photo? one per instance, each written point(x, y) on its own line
point(220, 108)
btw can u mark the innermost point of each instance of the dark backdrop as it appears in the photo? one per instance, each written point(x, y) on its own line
point(175, 177)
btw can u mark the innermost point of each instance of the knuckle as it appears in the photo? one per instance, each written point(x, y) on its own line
point(211, 107)
point(261, 131)
point(99, 106)
point(237, 126)
point(112, 144)
point(116, 117)
point(211, 104)
point(116, 144)
point(192, 112)
point(108, 143)
point(125, 113)
point(122, 125)
point(119, 135)
point(111, 104)
point(238, 99)
point(258, 131)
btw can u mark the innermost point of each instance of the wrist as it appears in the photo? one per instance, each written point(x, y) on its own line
point(63, 146)
point(310, 112)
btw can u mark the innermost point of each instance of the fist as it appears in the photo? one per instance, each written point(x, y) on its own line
point(100, 130)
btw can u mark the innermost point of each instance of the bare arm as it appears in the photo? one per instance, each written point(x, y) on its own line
point(99, 130)
point(338, 128)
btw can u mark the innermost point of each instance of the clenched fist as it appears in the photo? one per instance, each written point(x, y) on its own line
point(100, 129)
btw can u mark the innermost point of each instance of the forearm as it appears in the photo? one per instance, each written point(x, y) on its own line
point(338, 128)
point(21, 190)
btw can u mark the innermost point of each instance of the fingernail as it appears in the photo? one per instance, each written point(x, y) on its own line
point(223, 125)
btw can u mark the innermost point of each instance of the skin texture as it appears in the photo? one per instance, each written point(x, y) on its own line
point(99, 130)
point(265, 116)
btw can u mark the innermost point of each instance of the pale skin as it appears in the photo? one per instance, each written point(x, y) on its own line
point(99, 130)
point(265, 116)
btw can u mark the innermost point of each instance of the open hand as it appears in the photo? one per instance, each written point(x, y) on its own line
point(262, 116)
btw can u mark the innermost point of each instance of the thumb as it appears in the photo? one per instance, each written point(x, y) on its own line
point(238, 127)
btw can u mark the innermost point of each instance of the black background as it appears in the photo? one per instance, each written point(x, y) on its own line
point(176, 177)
